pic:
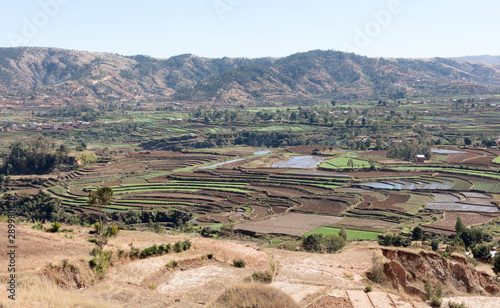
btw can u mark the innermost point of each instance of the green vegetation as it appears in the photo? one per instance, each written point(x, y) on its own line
point(322, 243)
point(351, 234)
point(100, 197)
point(34, 157)
point(345, 163)
point(239, 263)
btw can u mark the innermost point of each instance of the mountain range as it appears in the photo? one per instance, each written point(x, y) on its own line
point(301, 77)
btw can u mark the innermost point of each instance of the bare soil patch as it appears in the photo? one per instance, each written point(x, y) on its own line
point(448, 224)
point(291, 223)
point(332, 301)
point(326, 206)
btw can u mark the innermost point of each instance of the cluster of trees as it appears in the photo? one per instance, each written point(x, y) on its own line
point(323, 243)
point(394, 240)
point(469, 237)
point(39, 207)
point(409, 148)
point(35, 156)
point(79, 112)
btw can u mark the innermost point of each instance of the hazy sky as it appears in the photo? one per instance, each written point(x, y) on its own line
point(255, 28)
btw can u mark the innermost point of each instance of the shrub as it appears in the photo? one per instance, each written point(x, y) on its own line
point(111, 231)
point(165, 248)
point(435, 302)
point(186, 245)
point(210, 256)
point(319, 243)
point(100, 262)
point(368, 289)
point(343, 234)
point(38, 227)
point(239, 263)
point(456, 305)
point(376, 272)
point(178, 247)
point(150, 251)
point(95, 251)
point(312, 243)
point(417, 234)
point(96, 227)
point(93, 263)
point(333, 243)
point(265, 277)
point(394, 240)
point(428, 290)
point(481, 251)
point(134, 251)
point(496, 264)
point(54, 227)
point(92, 240)
point(435, 245)
point(172, 264)
point(289, 245)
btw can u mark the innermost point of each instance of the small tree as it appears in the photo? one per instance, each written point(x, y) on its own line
point(481, 252)
point(496, 264)
point(459, 226)
point(312, 243)
point(417, 234)
point(100, 197)
point(435, 245)
point(343, 234)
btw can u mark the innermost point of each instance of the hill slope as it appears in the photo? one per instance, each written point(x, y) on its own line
point(315, 74)
point(486, 59)
point(58, 275)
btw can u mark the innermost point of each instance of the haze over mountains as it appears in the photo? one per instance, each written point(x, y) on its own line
point(486, 59)
point(317, 75)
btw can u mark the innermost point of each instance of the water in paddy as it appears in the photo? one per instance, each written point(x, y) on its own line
point(440, 151)
point(400, 185)
point(222, 163)
point(262, 152)
point(300, 162)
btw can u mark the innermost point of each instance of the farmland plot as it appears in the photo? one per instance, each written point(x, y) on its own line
point(461, 207)
point(291, 224)
point(300, 162)
point(448, 224)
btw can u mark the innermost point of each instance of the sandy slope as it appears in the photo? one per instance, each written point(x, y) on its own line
point(197, 281)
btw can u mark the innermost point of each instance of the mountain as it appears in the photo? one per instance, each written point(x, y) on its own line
point(300, 77)
point(486, 59)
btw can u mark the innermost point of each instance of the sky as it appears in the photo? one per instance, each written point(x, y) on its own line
point(255, 28)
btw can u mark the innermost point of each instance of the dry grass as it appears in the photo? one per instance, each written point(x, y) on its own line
point(253, 295)
point(34, 291)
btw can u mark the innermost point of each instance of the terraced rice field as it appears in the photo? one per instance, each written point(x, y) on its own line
point(221, 164)
point(441, 151)
point(447, 206)
point(291, 224)
point(351, 234)
point(363, 224)
point(300, 162)
point(325, 206)
point(487, 187)
point(427, 184)
point(345, 162)
point(448, 224)
point(464, 201)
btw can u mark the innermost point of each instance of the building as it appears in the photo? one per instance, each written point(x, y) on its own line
point(420, 158)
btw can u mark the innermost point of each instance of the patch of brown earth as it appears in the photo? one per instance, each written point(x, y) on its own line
point(408, 270)
point(332, 301)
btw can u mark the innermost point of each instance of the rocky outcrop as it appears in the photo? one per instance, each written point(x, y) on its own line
point(408, 271)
